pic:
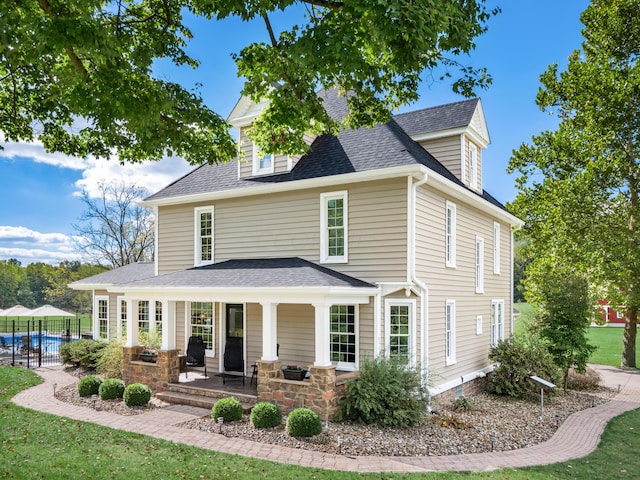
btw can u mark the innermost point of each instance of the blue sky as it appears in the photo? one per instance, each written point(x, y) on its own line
point(40, 191)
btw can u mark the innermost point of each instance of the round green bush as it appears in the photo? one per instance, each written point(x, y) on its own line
point(111, 388)
point(136, 395)
point(229, 409)
point(303, 422)
point(89, 385)
point(265, 415)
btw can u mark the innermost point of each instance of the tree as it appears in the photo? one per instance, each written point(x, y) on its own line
point(10, 280)
point(114, 228)
point(580, 184)
point(520, 263)
point(78, 75)
point(60, 295)
point(563, 320)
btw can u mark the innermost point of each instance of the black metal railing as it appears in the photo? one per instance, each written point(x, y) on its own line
point(36, 342)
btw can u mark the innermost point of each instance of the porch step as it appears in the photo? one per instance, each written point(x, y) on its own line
point(201, 397)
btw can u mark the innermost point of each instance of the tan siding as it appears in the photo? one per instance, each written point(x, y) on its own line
point(459, 283)
point(296, 334)
point(365, 331)
point(288, 224)
point(253, 333)
point(446, 151)
point(181, 339)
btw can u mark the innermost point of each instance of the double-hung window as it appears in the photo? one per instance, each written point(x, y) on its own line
point(334, 231)
point(203, 235)
point(450, 235)
point(263, 163)
point(479, 265)
point(497, 321)
point(122, 318)
point(450, 332)
point(158, 319)
point(496, 248)
point(102, 317)
point(400, 330)
point(201, 323)
point(343, 342)
point(143, 316)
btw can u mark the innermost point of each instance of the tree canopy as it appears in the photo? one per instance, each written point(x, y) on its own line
point(79, 75)
point(580, 184)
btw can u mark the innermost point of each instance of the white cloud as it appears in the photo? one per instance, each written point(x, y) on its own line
point(30, 246)
point(36, 152)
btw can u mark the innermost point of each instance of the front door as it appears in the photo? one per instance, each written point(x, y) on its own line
point(234, 349)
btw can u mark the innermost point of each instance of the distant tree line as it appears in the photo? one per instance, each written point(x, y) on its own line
point(40, 283)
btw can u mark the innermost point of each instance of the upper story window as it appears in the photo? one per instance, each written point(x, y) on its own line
point(473, 165)
point(334, 221)
point(496, 248)
point(263, 163)
point(479, 265)
point(450, 235)
point(203, 235)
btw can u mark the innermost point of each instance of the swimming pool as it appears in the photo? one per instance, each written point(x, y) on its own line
point(50, 343)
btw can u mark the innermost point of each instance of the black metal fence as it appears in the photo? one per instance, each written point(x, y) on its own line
point(36, 342)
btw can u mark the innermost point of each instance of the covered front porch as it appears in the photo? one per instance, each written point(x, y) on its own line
point(312, 322)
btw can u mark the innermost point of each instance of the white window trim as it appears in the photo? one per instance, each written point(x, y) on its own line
point(473, 165)
point(348, 366)
point(256, 170)
point(388, 303)
point(450, 309)
point(121, 330)
point(479, 265)
point(500, 332)
point(197, 258)
point(496, 248)
point(187, 328)
point(450, 260)
point(96, 317)
point(324, 230)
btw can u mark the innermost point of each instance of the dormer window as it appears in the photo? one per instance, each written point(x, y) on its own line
point(262, 162)
point(473, 165)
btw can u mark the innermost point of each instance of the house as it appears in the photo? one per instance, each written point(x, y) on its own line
point(608, 315)
point(380, 241)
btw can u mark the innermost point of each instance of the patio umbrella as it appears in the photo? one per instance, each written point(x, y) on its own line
point(17, 311)
point(47, 311)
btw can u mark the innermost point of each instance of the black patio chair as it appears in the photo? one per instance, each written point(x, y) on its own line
point(195, 354)
point(233, 359)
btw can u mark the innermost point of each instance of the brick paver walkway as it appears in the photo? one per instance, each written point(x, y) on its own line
point(576, 437)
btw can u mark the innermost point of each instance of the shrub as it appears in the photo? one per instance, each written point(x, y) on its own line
point(89, 385)
point(83, 353)
point(111, 388)
point(303, 422)
point(589, 380)
point(265, 415)
point(150, 339)
point(229, 409)
point(387, 393)
point(462, 403)
point(136, 395)
point(111, 360)
point(518, 358)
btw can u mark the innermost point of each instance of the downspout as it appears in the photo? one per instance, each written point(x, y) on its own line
point(412, 277)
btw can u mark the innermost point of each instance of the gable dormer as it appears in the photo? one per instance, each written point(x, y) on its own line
point(455, 134)
point(252, 161)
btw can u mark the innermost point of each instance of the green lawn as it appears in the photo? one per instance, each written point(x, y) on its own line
point(35, 445)
point(607, 339)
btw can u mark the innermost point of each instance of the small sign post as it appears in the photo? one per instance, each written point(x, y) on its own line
point(543, 383)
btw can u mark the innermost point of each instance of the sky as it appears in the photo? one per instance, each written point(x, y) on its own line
point(41, 191)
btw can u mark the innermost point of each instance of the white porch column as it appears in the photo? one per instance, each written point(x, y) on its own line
point(132, 323)
point(168, 325)
point(323, 355)
point(269, 331)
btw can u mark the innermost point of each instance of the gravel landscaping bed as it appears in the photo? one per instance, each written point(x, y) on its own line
point(512, 423)
point(491, 422)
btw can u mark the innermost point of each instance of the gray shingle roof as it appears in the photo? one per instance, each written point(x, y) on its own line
point(128, 273)
point(255, 273)
point(363, 149)
point(435, 119)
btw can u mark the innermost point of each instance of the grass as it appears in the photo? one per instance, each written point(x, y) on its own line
point(36, 445)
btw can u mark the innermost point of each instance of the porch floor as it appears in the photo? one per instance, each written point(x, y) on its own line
point(214, 382)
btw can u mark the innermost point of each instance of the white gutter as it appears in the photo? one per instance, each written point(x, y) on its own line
point(412, 276)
